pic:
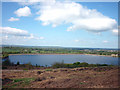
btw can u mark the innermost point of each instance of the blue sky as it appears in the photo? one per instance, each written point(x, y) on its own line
point(60, 24)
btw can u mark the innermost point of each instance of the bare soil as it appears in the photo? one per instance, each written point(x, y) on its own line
point(83, 77)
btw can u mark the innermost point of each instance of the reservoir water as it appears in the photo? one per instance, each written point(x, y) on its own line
point(43, 60)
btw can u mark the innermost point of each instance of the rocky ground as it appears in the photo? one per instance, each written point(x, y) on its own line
point(83, 77)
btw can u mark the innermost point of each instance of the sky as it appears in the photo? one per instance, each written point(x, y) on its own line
point(60, 23)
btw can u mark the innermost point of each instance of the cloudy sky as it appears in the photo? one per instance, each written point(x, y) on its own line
point(55, 23)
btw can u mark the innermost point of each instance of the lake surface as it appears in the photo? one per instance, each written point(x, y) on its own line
point(50, 59)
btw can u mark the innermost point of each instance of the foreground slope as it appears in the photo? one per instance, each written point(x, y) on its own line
point(89, 77)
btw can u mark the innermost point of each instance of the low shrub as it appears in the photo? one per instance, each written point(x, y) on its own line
point(48, 69)
point(76, 64)
point(26, 69)
point(58, 65)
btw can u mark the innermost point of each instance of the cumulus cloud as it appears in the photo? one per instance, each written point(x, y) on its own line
point(77, 40)
point(105, 41)
point(13, 19)
point(65, 0)
point(78, 16)
point(25, 11)
point(41, 38)
point(8, 31)
point(33, 37)
point(115, 31)
point(31, 2)
point(14, 0)
point(6, 37)
point(13, 31)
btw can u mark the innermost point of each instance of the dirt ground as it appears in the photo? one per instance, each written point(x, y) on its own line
point(83, 77)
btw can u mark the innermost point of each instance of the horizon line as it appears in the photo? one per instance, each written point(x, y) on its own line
point(59, 46)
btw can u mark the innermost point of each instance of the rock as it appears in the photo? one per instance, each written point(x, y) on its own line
point(39, 72)
point(85, 68)
point(6, 80)
point(40, 79)
point(95, 69)
point(87, 77)
point(54, 71)
point(74, 70)
point(63, 70)
point(80, 69)
point(49, 82)
point(52, 77)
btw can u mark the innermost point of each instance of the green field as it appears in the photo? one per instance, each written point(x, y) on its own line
point(55, 50)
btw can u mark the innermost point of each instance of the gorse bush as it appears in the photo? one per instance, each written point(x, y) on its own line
point(84, 64)
point(18, 63)
point(76, 63)
point(58, 65)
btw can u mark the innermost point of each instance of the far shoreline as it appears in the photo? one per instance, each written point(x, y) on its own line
point(64, 54)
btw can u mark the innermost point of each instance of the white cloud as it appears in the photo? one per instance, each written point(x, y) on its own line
point(31, 2)
point(34, 2)
point(16, 36)
point(78, 16)
point(33, 37)
point(13, 0)
point(105, 41)
point(13, 31)
point(6, 37)
point(59, 0)
point(27, 2)
point(77, 40)
point(25, 11)
point(13, 19)
point(115, 31)
point(8, 31)
point(41, 37)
